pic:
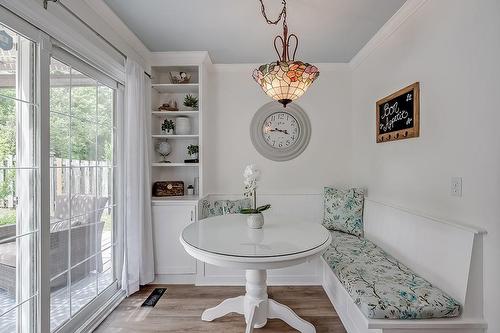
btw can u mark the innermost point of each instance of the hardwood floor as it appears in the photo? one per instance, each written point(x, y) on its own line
point(180, 308)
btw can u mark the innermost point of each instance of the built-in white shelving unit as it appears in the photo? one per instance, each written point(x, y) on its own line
point(171, 215)
point(163, 90)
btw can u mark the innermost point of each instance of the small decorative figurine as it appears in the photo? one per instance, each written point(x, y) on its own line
point(170, 106)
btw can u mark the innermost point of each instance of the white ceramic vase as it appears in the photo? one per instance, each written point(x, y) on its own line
point(255, 221)
point(182, 126)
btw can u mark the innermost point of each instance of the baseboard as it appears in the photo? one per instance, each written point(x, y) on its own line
point(174, 279)
point(237, 280)
point(277, 280)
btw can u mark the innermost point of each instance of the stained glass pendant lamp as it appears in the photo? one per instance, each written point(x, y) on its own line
point(287, 79)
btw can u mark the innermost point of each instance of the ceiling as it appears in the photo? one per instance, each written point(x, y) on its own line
point(234, 31)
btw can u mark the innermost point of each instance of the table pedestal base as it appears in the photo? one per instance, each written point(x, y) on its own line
point(257, 307)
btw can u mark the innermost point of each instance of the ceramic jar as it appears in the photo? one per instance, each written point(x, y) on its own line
point(182, 126)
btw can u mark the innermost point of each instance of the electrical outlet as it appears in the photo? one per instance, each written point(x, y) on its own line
point(456, 186)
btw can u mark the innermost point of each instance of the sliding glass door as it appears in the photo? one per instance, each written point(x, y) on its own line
point(58, 202)
point(81, 193)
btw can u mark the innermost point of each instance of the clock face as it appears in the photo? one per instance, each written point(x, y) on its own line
point(280, 134)
point(280, 130)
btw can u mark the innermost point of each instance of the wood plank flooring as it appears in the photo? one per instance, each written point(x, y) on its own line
point(180, 308)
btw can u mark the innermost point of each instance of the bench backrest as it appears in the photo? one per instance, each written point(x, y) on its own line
point(438, 250)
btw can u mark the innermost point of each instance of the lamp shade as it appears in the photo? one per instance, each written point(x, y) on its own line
point(285, 81)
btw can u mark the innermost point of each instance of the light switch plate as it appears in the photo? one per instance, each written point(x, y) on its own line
point(456, 186)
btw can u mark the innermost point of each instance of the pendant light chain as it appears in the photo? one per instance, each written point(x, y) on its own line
point(281, 15)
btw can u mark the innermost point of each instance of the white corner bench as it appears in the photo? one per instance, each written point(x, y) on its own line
point(447, 254)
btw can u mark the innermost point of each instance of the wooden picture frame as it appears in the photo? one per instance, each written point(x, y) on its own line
point(398, 115)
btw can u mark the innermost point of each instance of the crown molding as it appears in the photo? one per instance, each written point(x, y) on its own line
point(409, 8)
point(180, 58)
point(327, 66)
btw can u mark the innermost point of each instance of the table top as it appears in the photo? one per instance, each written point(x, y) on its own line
point(229, 235)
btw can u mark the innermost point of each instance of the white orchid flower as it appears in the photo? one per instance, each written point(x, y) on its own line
point(252, 175)
point(251, 172)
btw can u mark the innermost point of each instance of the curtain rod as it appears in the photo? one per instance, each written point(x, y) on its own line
point(45, 4)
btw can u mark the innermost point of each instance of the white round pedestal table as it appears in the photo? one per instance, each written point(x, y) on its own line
point(228, 242)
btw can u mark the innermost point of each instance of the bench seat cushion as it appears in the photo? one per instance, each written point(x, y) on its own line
point(211, 208)
point(381, 286)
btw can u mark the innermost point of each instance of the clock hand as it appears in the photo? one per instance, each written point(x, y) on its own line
point(278, 130)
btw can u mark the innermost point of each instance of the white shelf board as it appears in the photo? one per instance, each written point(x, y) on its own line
point(160, 200)
point(175, 136)
point(160, 164)
point(175, 68)
point(175, 113)
point(176, 88)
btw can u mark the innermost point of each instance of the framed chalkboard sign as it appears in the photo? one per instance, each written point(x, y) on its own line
point(398, 115)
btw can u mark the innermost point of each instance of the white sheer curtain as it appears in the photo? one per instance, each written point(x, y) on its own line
point(138, 244)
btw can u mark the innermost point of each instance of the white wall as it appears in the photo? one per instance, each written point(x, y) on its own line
point(453, 48)
point(293, 188)
point(234, 99)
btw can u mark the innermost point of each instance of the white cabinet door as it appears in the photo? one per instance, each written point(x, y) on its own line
point(168, 222)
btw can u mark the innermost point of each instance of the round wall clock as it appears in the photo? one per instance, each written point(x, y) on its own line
point(280, 134)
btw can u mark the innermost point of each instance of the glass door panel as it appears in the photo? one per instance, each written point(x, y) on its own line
point(19, 173)
point(82, 163)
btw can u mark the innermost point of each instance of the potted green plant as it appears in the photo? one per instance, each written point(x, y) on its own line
point(191, 102)
point(193, 151)
point(168, 126)
point(255, 219)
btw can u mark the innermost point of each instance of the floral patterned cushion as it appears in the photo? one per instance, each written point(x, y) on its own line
point(381, 286)
point(344, 210)
point(211, 208)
